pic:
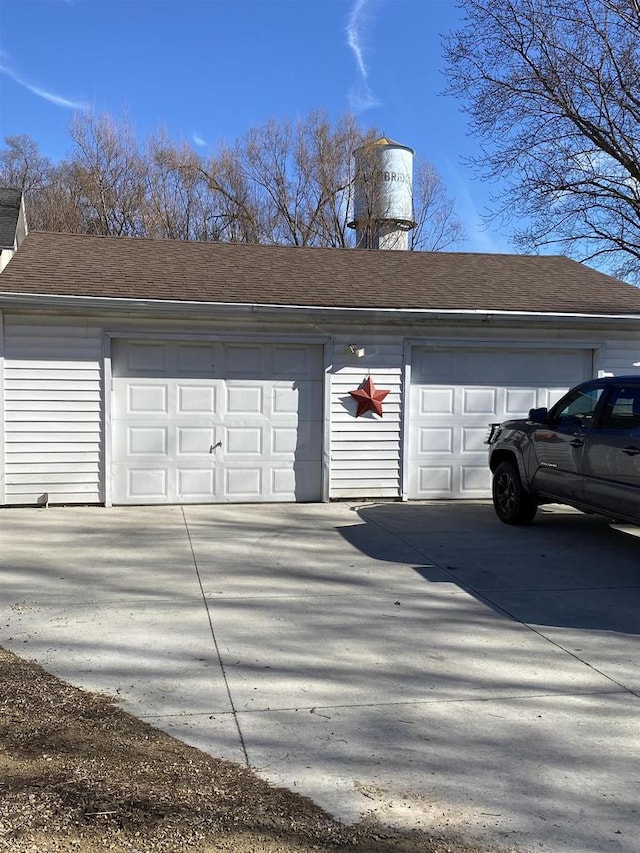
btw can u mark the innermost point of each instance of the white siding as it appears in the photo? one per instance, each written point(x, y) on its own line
point(366, 451)
point(53, 410)
point(55, 406)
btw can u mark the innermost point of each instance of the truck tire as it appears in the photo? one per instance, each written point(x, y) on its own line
point(512, 504)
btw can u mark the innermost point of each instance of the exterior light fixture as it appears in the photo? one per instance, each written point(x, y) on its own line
point(353, 349)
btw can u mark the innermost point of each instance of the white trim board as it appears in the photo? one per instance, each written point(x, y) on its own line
point(107, 388)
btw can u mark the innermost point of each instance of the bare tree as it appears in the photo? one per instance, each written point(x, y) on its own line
point(337, 174)
point(57, 206)
point(552, 87)
point(22, 166)
point(178, 203)
point(239, 213)
point(49, 200)
point(302, 177)
point(437, 227)
point(283, 182)
point(107, 174)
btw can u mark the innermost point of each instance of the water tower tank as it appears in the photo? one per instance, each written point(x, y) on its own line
point(383, 194)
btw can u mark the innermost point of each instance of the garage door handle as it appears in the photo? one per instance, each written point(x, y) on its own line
point(632, 450)
point(577, 442)
point(213, 446)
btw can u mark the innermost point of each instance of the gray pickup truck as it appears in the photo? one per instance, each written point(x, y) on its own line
point(584, 452)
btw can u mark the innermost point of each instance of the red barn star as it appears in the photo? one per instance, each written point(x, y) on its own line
point(368, 398)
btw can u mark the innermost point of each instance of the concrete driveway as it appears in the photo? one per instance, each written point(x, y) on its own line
point(421, 661)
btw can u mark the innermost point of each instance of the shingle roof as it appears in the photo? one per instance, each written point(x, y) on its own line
point(9, 213)
point(129, 268)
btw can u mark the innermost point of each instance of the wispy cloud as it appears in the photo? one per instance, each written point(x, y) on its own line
point(58, 100)
point(478, 236)
point(197, 139)
point(361, 96)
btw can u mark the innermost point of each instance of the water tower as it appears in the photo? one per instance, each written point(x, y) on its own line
point(383, 195)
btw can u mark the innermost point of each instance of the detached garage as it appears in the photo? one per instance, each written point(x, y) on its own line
point(140, 371)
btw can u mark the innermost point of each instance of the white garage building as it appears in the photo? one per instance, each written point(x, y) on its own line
point(141, 371)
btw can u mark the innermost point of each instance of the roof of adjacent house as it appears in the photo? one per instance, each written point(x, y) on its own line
point(9, 212)
point(249, 274)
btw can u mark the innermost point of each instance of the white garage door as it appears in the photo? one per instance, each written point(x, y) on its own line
point(457, 392)
point(216, 422)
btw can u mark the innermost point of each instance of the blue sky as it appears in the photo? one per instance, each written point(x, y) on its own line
point(207, 70)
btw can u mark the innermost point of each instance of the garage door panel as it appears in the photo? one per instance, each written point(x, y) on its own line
point(435, 480)
point(147, 484)
point(146, 440)
point(283, 483)
point(196, 399)
point(195, 483)
point(455, 393)
point(242, 360)
point(436, 439)
point(291, 361)
point(299, 441)
point(479, 401)
point(213, 422)
point(197, 359)
point(294, 484)
point(478, 363)
point(300, 399)
point(284, 440)
point(243, 441)
point(428, 364)
point(520, 400)
point(244, 399)
point(474, 478)
point(146, 358)
point(146, 398)
point(194, 439)
point(473, 438)
point(286, 401)
point(436, 401)
point(244, 483)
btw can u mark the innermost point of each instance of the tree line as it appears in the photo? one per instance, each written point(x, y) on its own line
point(287, 183)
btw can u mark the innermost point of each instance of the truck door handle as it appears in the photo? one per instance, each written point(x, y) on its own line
point(577, 442)
point(632, 450)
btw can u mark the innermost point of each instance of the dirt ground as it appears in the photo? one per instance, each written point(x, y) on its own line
point(78, 774)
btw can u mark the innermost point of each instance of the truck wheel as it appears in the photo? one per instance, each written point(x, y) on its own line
point(512, 504)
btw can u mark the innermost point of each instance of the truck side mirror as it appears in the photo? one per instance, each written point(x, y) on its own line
point(539, 416)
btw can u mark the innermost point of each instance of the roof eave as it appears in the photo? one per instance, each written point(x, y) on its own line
point(186, 307)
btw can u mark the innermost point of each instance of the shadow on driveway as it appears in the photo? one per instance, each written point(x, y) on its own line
point(566, 570)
